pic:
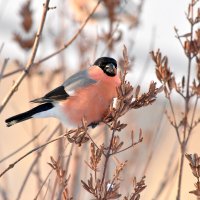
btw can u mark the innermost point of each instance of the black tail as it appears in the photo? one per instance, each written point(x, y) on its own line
point(28, 115)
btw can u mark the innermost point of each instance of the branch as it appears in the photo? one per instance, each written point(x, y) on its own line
point(3, 67)
point(1, 47)
point(44, 182)
point(63, 48)
point(12, 73)
point(174, 119)
point(73, 38)
point(23, 146)
point(34, 162)
point(107, 158)
point(131, 145)
point(191, 126)
point(31, 59)
point(31, 151)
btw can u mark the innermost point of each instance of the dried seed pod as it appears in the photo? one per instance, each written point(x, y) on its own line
point(26, 14)
point(194, 162)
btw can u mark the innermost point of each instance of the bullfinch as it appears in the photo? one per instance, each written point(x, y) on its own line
point(86, 94)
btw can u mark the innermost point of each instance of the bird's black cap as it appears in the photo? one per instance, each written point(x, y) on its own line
point(103, 61)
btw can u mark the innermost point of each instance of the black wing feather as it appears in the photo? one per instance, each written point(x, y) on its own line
point(74, 82)
point(58, 94)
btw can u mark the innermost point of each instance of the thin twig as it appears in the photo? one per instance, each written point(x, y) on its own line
point(12, 73)
point(181, 94)
point(110, 39)
point(166, 181)
point(166, 177)
point(3, 67)
point(23, 146)
point(46, 191)
point(35, 142)
point(107, 158)
point(174, 119)
point(34, 162)
point(44, 182)
point(30, 152)
point(172, 183)
point(31, 59)
point(187, 99)
point(146, 65)
point(155, 142)
point(94, 143)
point(73, 38)
point(1, 47)
point(128, 147)
point(192, 120)
point(61, 49)
point(27, 176)
point(62, 187)
point(179, 39)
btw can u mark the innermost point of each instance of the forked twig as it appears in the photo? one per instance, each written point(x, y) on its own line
point(44, 182)
point(31, 59)
point(73, 38)
point(61, 49)
point(23, 146)
point(31, 151)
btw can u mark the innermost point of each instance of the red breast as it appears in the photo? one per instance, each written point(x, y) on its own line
point(92, 102)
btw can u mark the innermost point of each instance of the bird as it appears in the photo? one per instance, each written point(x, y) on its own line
point(85, 95)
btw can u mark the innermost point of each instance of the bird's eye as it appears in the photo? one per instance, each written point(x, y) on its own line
point(110, 69)
point(110, 65)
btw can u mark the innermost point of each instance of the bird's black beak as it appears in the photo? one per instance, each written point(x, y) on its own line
point(110, 69)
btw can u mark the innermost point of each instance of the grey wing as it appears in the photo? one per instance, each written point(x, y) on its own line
point(78, 80)
point(74, 82)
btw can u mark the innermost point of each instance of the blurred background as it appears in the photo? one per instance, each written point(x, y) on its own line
point(141, 25)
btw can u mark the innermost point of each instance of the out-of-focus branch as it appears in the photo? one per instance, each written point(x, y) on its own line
point(23, 146)
point(79, 138)
point(31, 59)
point(73, 38)
point(30, 152)
point(195, 165)
point(1, 47)
point(3, 67)
point(12, 73)
point(107, 158)
point(186, 89)
point(44, 182)
point(58, 51)
point(34, 162)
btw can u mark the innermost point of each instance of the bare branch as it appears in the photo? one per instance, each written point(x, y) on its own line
point(23, 146)
point(44, 182)
point(31, 151)
point(31, 59)
point(3, 67)
point(73, 38)
point(13, 72)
